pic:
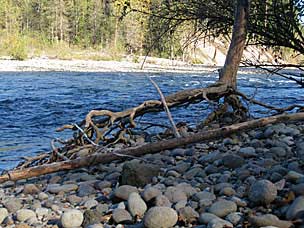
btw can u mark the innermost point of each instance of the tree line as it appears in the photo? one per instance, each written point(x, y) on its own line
point(164, 28)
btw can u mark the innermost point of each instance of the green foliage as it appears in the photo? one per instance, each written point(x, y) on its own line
point(16, 47)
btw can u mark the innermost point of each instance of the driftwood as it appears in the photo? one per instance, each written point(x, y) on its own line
point(125, 119)
point(150, 148)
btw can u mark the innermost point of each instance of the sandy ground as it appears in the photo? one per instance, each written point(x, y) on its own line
point(44, 64)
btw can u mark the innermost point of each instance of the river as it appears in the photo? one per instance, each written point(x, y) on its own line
point(34, 104)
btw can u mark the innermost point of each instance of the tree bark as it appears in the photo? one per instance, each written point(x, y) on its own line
point(237, 44)
point(150, 148)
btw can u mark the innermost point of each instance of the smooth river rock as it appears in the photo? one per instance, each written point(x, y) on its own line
point(269, 220)
point(222, 208)
point(296, 209)
point(71, 218)
point(160, 217)
point(136, 205)
point(24, 214)
point(123, 192)
point(263, 192)
point(56, 188)
point(3, 214)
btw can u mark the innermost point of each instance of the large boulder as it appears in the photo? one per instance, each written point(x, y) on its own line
point(138, 174)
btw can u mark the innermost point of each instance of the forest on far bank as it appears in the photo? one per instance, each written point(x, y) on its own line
point(110, 29)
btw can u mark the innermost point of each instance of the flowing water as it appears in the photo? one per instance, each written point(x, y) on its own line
point(34, 104)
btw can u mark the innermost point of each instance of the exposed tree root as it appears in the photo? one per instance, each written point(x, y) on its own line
point(101, 158)
point(118, 121)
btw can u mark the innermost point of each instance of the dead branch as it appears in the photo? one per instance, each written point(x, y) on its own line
point(150, 148)
point(278, 110)
point(275, 69)
point(125, 119)
point(163, 100)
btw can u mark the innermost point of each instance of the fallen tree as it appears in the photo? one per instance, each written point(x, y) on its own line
point(103, 128)
point(102, 158)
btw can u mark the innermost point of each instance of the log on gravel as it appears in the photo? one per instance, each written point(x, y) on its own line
point(150, 148)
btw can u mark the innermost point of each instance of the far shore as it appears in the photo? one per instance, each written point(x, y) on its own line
point(152, 65)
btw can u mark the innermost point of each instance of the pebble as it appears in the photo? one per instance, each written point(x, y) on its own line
point(162, 201)
point(233, 161)
point(235, 218)
point(150, 193)
point(56, 188)
point(95, 226)
point(91, 217)
point(30, 189)
point(136, 205)
point(203, 195)
point(13, 204)
point(227, 191)
point(90, 203)
point(279, 151)
point(163, 217)
point(222, 208)
point(121, 216)
point(205, 218)
point(71, 218)
point(175, 195)
point(188, 214)
point(43, 196)
point(296, 209)
point(24, 214)
point(85, 190)
point(263, 192)
point(123, 192)
point(247, 152)
point(3, 214)
point(294, 176)
point(269, 220)
point(41, 212)
point(298, 189)
point(219, 223)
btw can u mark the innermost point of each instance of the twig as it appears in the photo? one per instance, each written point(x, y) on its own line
point(163, 100)
point(56, 152)
point(85, 135)
point(279, 110)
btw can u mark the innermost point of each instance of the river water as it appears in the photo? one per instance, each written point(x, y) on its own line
point(34, 104)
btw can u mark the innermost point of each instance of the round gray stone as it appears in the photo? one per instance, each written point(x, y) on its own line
point(269, 220)
point(263, 192)
point(3, 214)
point(71, 218)
point(296, 209)
point(150, 193)
point(13, 204)
point(219, 223)
point(233, 161)
point(136, 205)
point(175, 195)
point(124, 191)
point(121, 216)
point(188, 214)
point(24, 214)
point(206, 217)
point(163, 217)
point(162, 201)
point(222, 208)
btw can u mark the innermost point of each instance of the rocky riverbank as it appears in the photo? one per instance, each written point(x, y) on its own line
point(253, 179)
point(152, 65)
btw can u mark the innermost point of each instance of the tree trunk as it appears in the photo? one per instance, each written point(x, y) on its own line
point(150, 148)
point(237, 45)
